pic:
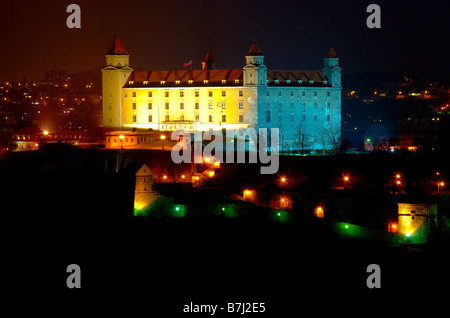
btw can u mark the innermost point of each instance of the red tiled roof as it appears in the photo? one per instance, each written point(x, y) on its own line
point(296, 78)
point(214, 77)
point(30, 130)
point(331, 53)
point(117, 48)
point(255, 50)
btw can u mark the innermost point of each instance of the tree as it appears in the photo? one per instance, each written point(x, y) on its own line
point(302, 139)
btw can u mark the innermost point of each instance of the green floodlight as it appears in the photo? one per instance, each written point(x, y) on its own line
point(346, 226)
point(368, 139)
point(223, 209)
point(177, 208)
point(278, 213)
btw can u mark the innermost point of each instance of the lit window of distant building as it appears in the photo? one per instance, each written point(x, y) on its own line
point(241, 118)
point(241, 105)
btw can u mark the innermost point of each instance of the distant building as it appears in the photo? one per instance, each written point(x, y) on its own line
point(301, 103)
point(415, 221)
point(144, 192)
point(55, 76)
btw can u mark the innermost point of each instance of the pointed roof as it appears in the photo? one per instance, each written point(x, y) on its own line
point(208, 57)
point(255, 50)
point(331, 53)
point(117, 48)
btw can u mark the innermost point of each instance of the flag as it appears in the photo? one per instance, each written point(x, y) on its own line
point(187, 64)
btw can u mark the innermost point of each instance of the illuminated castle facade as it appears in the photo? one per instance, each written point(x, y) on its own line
point(303, 104)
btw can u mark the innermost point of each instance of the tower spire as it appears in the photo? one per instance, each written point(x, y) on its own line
point(117, 48)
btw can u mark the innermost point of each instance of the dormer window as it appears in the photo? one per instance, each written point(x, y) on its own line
point(300, 81)
point(276, 81)
point(190, 81)
point(205, 81)
point(145, 82)
point(288, 81)
point(236, 81)
point(325, 82)
point(163, 82)
point(130, 82)
point(311, 82)
point(224, 81)
point(177, 82)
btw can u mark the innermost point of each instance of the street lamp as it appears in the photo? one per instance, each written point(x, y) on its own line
point(162, 137)
point(121, 141)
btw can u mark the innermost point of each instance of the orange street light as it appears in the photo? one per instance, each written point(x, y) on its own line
point(162, 137)
point(398, 176)
point(121, 141)
point(283, 179)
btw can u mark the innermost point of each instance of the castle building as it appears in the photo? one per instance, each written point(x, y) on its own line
point(305, 105)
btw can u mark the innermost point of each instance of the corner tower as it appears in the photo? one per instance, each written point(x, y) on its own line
point(255, 72)
point(114, 77)
point(331, 69)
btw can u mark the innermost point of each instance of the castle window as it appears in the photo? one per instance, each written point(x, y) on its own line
point(182, 117)
point(181, 105)
point(210, 118)
point(134, 105)
point(150, 118)
point(241, 93)
point(166, 93)
point(205, 81)
point(268, 93)
point(197, 93)
point(328, 117)
point(190, 81)
point(288, 81)
point(167, 117)
point(129, 82)
point(145, 82)
point(241, 105)
point(134, 94)
point(150, 94)
point(292, 118)
point(279, 118)
point(279, 105)
point(197, 117)
point(292, 93)
point(126, 95)
point(134, 120)
point(197, 106)
point(177, 82)
point(167, 105)
point(315, 93)
point(236, 81)
point(224, 105)
point(181, 93)
point(315, 105)
point(150, 105)
point(292, 105)
point(303, 105)
point(303, 117)
point(163, 82)
point(315, 117)
point(224, 81)
point(328, 104)
point(224, 118)
point(210, 105)
point(267, 116)
point(328, 93)
point(224, 93)
point(303, 93)
point(241, 118)
point(210, 94)
point(115, 139)
point(268, 105)
point(279, 93)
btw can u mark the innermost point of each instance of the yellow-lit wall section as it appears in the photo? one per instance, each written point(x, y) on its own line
point(414, 220)
point(240, 111)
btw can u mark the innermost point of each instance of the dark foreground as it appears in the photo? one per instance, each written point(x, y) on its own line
point(155, 267)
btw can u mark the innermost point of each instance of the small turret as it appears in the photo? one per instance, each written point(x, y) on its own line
point(331, 68)
point(208, 62)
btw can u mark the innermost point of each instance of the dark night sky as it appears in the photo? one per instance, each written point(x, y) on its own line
point(164, 34)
